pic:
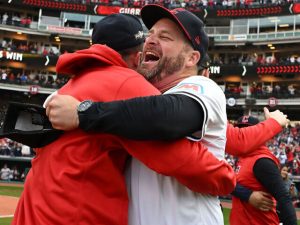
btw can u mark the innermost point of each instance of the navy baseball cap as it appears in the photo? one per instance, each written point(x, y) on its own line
point(118, 31)
point(245, 121)
point(190, 24)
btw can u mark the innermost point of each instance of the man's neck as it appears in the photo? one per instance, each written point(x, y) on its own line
point(170, 81)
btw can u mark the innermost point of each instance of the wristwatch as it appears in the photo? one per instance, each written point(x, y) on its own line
point(83, 106)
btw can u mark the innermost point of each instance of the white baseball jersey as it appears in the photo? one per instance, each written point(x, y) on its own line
point(160, 200)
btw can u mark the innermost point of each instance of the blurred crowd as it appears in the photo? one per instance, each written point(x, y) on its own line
point(190, 4)
point(15, 172)
point(14, 149)
point(277, 91)
point(15, 19)
point(285, 147)
point(263, 91)
point(13, 45)
point(256, 59)
point(33, 78)
point(8, 174)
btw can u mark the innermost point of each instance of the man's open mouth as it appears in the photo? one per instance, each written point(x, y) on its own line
point(151, 56)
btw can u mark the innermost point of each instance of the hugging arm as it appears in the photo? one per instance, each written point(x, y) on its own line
point(258, 199)
point(188, 161)
point(241, 141)
point(163, 117)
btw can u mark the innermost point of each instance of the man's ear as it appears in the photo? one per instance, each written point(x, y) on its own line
point(193, 58)
point(133, 60)
point(138, 58)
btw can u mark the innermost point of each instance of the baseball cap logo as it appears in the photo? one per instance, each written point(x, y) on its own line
point(175, 11)
point(139, 35)
point(245, 119)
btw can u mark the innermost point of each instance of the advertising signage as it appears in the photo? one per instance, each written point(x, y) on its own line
point(239, 12)
point(215, 69)
point(28, 59)
point(104, 9)
point(63, 6)
point(276, 10)
point(223, 70)
point(107, 10)
point(282, 69)
point(9, 55)
point(278, 69)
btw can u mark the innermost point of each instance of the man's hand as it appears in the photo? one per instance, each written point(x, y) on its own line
point(278, 116)
point(62, 112)
point(261, 200)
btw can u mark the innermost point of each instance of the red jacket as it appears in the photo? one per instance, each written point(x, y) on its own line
point(78, 179)
point(247, 144)
point(242, 141)
point(242, 213)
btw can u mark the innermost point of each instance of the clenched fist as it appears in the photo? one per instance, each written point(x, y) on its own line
point(62, 111)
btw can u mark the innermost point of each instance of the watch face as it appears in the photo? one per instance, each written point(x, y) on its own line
point(84, 105)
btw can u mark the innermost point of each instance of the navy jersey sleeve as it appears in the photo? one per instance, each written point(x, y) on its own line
point(242, 192)
point(162, 117)
point(267, 173)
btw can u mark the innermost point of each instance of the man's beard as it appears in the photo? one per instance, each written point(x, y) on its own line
point(169, 65)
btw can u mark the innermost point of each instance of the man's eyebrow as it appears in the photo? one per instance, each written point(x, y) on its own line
point(160, 32)
point(165, 32)
point(150, 31)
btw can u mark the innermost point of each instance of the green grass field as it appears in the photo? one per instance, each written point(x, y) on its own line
point(226, 213)
point(7, 221)
point(11, 191)
point(16, 192)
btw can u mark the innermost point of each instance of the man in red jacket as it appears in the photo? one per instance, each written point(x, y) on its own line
point(78, 179)
point(259, 171)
